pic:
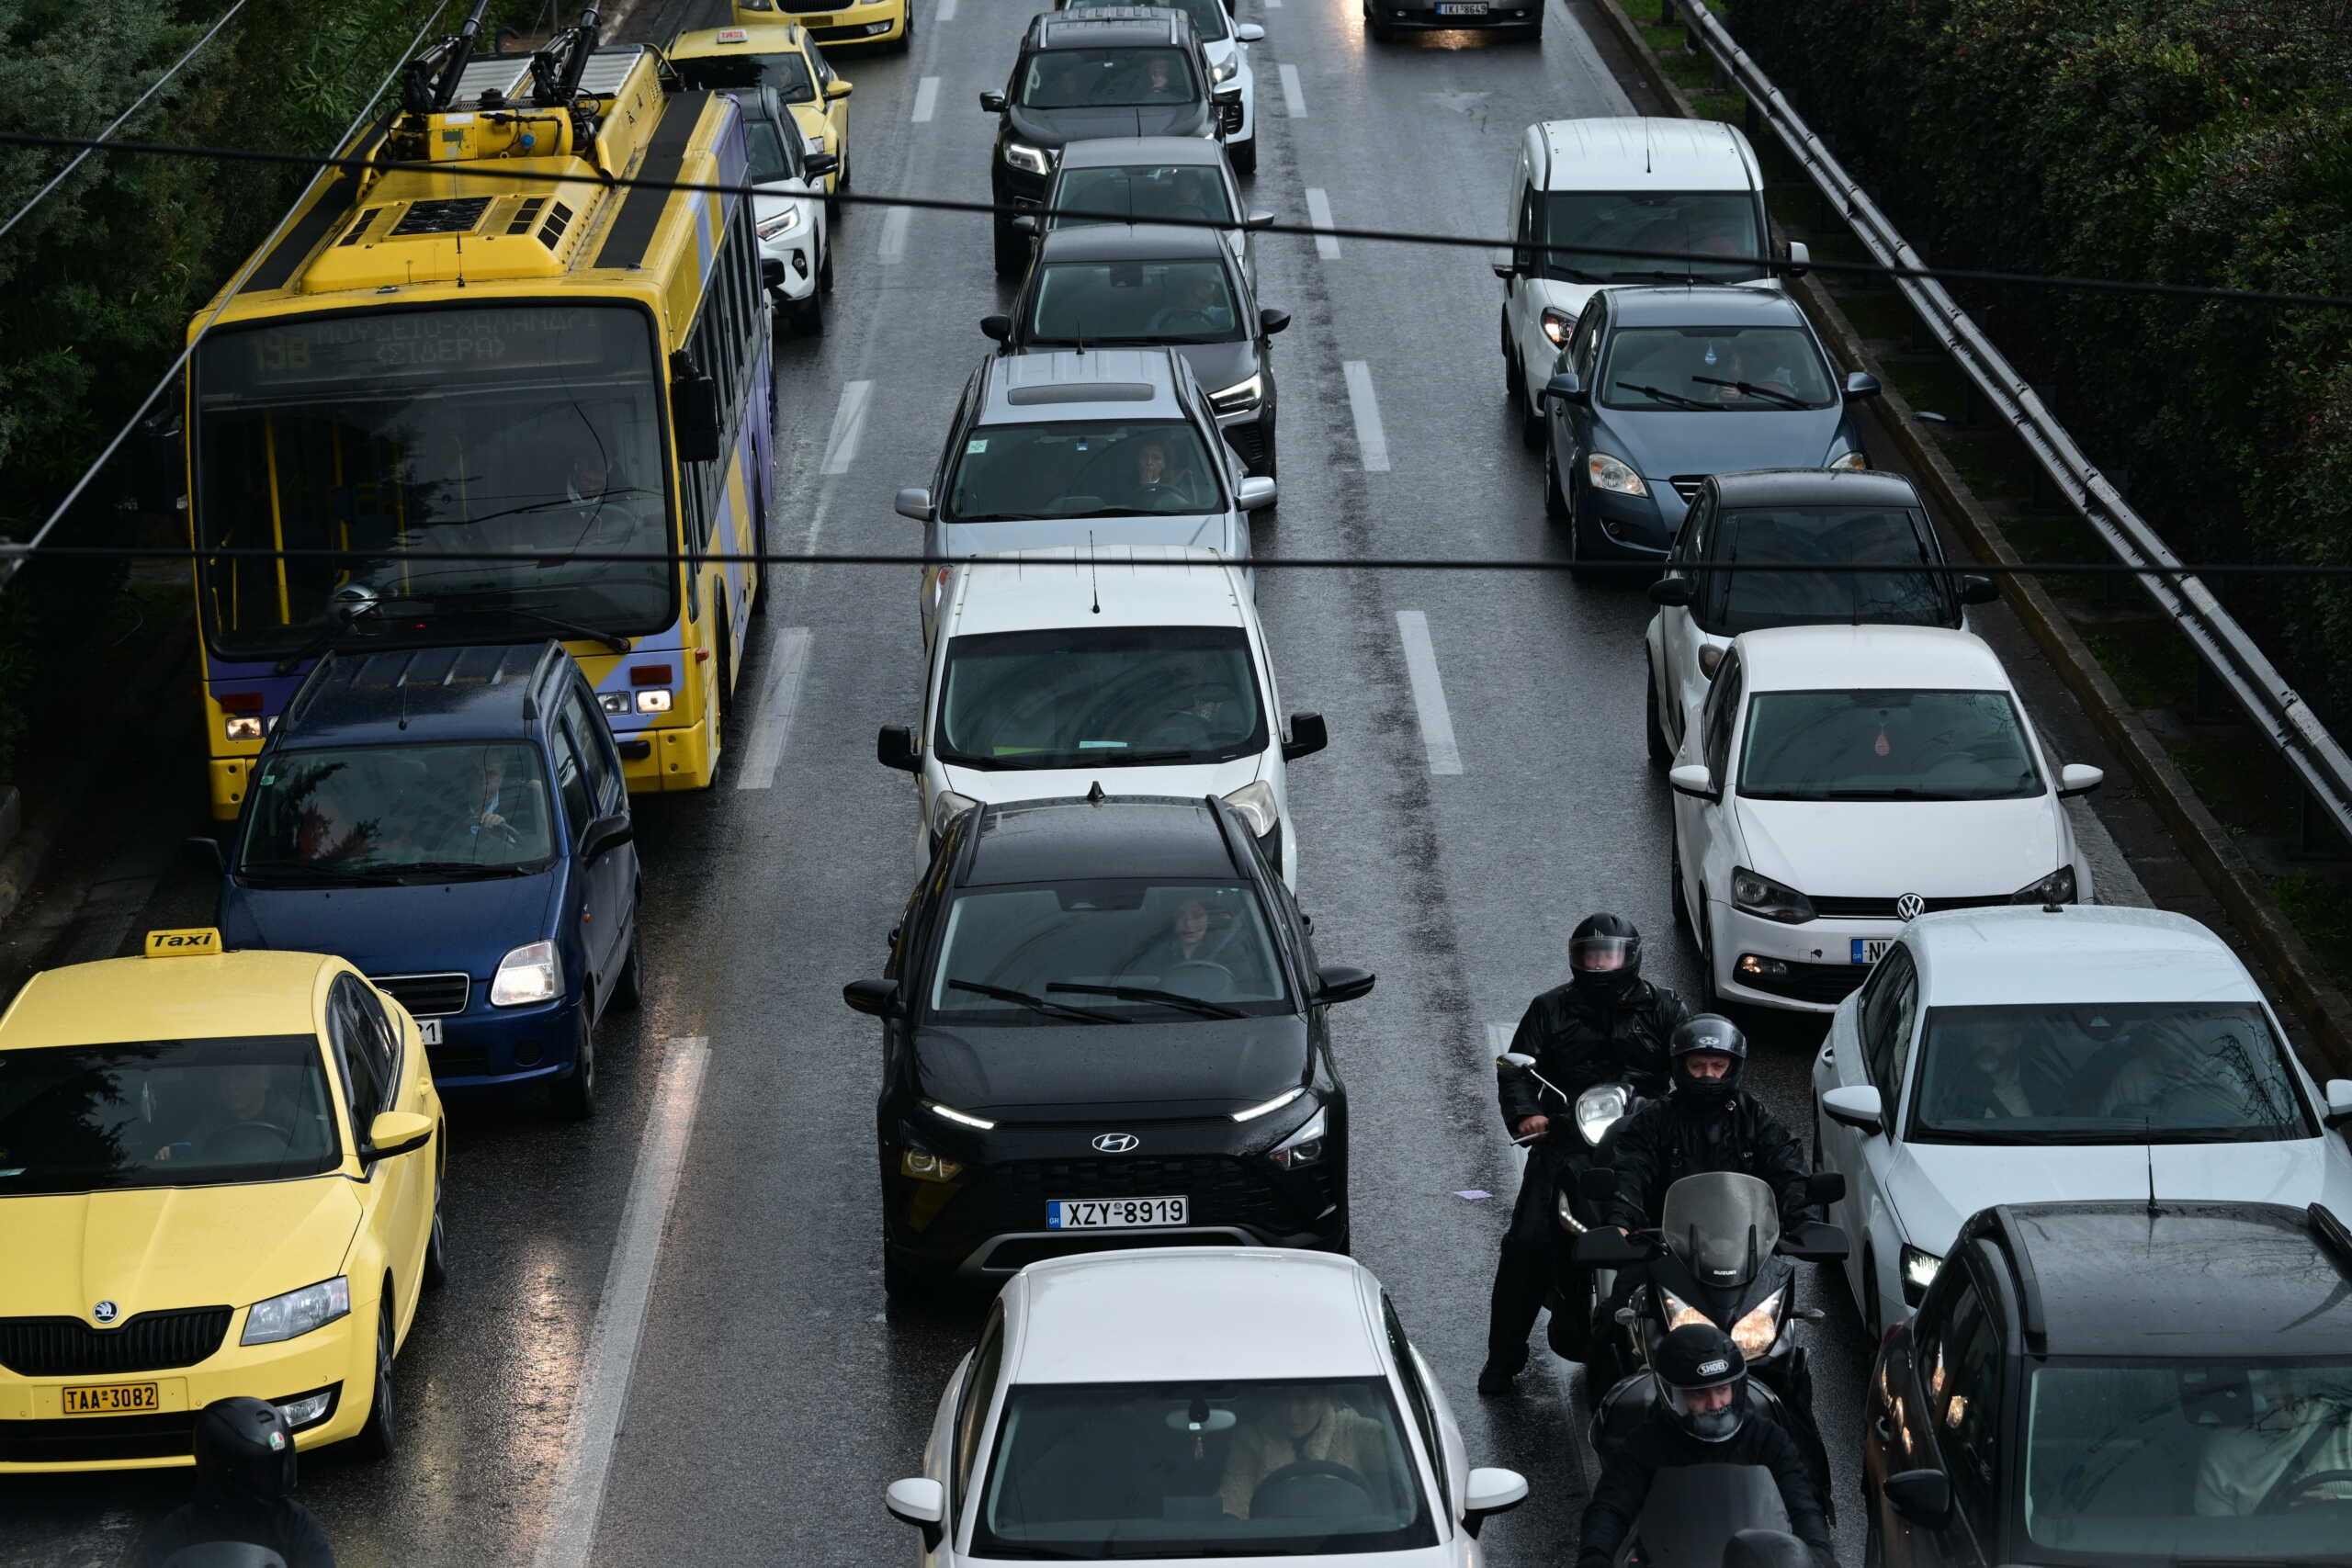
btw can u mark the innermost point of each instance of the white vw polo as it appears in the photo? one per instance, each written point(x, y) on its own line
point(1174, 1404)
point(1842, 781)
point(2028, 1056)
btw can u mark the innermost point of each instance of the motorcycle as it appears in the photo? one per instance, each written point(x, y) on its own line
point(1695, 1515)
point(1596, 1114)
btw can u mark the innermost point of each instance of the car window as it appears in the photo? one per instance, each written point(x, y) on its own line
point(1816, 537)
point(1106, 78)
point(1117, 696)
point(1962, 1378)
point(824, 67)
point(1586, 344)
point(327, 815)
point(1715, 370)
point(972, 1409)
point(773, 155)
point(1208, 16)
point(1707, 228)
point(361, 1055)
point(606, 785)
point(1528, 260)
point(1146, 468)
point(571, 779)
point(1722, 715)
point(1139, 302)
point(1886, 745)
point(1417, 1396)
point(388, 1040)
point(1887, 1012)
point(1691, 541)
point(787, 74)
point(1145, 192)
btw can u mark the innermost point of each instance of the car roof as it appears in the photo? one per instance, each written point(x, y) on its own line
point(1083, 839)
point(1071, 585)
point(1814, 486)
point(1633, 153)
point(1044, 387)
point(2023, 954)
point(1108, 26)
point(1855, 658)
point(262, 992)
point(1207, 1315)
point(1131, 242)
point(1701, 305)
point(762, 38)
point(2122, 1279)
point(484, 691)
point(1115, 151)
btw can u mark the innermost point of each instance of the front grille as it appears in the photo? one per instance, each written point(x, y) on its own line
point(1827, 983)
point(68, 1348)
point(1687, 486)
point(425, 996)
point(1831, 908)
point(1222, 1190)
point(458, 1061)
point(92, 1439)
point(1231, 115)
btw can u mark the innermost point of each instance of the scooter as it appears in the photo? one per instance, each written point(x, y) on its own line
point(1596, 1113)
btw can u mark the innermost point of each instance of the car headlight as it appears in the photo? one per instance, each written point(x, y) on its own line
point(2058, 887)
point(1679, 1313)
point(1763, 896)
point(1558, 325)
point(1756, 1330)
point(1304, 1146)
point(1918, 1273)
point(532, 972)
point(961, 1118)
point(1036, 159)
point(1598, 1110)
point(1225, 73)
point(783, 222)
point(1242, 395)
point(919, 1163)
point(1255, 802)
point(948, 805)
point(1268, 1108)
point(1608, 473)
point(1849, 460)
point(297, 1312)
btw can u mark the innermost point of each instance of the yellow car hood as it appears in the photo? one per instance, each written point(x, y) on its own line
point(154, 1249)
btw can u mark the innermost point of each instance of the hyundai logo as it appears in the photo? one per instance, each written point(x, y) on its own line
point(1115, 1143)
point(1910, 907)
point(105, 1312)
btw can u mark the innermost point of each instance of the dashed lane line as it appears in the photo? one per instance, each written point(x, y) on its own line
point(1293, 97)
point(1372, 441)
point(849, 426)
point(772, 714)
point(1319, 214)
point(1429, 692)
point(894, 235)
point(944, 11)
point(926, 100)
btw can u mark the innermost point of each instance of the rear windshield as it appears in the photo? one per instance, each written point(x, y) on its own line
point(1135, 302)
point(1144, 192)
point(1107, 78)
point(1731, 603)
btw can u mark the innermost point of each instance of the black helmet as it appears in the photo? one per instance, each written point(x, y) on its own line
point(1605, 955)
point(244, 1447)
point(1712, 1034)
point(1691, 1359)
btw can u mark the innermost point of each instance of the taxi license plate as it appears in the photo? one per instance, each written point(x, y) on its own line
point(816, 21)
point(1115, 1213)
point(429, 1030)
point(112, 1399)
point(1870, 948)
point(1462, 10)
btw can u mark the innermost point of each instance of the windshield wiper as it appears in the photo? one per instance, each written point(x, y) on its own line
point(317, 875)
point(1662, 395)
point(1007, 994)
point(1751, 389)
point(995, 517)
point(1663, 277)
point(434, 608)
point(1146, 993)
point(464, 868)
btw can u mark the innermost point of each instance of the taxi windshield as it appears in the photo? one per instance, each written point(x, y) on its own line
point(397, 814)
point(1121, 696)
point(1154, 468)
point(1127, 302)
point(1106, 78)
point(1145, 192)
point(165, 1114)
point(787, 74)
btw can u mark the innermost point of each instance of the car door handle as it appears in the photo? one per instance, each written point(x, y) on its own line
point(1884, 1428)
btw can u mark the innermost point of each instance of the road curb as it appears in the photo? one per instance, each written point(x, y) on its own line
point(2204, 842)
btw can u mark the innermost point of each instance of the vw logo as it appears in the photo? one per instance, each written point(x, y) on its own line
point(1115, 1143)
point(105, 1312)
point(1910, 907)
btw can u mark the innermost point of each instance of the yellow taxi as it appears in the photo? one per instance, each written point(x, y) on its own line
point(890, 22)
point(219, 1174)
point(782, 56)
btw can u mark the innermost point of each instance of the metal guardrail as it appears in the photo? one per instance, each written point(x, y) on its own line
point(2227, 651)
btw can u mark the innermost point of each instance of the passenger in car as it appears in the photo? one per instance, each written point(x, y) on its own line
point(2297, 1441)
point(1300, 1426)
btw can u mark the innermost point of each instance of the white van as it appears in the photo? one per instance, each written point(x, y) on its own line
point(1055, 670)
point(1688, 186)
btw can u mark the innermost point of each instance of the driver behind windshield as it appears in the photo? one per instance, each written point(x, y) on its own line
point(1301, 1427)
point(214, 1105)
point(1157, 479)
point(2295, 1445)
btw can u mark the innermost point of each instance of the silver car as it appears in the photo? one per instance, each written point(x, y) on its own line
point(1109, 446)
point(1153, 179)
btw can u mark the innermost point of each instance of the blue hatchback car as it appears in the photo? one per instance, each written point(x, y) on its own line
point(453, 821)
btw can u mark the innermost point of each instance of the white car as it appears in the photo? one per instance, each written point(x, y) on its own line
point(1142, 1404)
point(1054, 670)
point(1225, 42)
point(1840, 782)
point(795, 237)
point(2029, 1056)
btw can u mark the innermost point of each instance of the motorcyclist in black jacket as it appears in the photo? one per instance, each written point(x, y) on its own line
point(1606, 1025)
point(244, 1490)
point(1698, 1416)
point(1705, 1122)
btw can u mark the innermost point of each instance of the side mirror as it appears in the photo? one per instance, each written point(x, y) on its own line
point(1309, 735)
point(1504, 261)
point(1860, 384)
point(1857, 1106)
point(914, 501)
point(894, 746)
point(992, 101)
point(1824, 1187)
point(1673, 591)
point(605, 834)
point(996, 328)
point(396, 1133)
point(1025, 224)
point(1800, 259)
point(837, 90)
point(1271, 322)
point(1257, 494)
point(1566, 387)
point(817, 165)
point(1693, 779)
point(693, 411)
point(2339, 1102)
point(206, 850)
point(1597, 1184)
point(875, 999)
point(1258, 217)
point(1974, 590)
point(1814, 1242)
point(159, 481)
point(922, 1502)
point(2078, 778)
point(1486, 1493)
point(1249, 32)
point(1603, 1247)
point(1514, 1061)
point(1922, 1497)
point(1338, 983)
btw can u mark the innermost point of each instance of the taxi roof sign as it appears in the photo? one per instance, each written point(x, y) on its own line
point(194, 941)
point(732, 35)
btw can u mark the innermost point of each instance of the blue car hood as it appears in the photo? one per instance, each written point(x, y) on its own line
point(1660, 445)
point(397, 931)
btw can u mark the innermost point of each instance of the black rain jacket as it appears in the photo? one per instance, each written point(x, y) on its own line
point(282, 1525)
point(1668, 1139)
point(1579, 1039)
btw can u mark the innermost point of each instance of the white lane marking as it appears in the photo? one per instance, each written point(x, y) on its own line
point(1319, 216)
point(606, 1371)
point(2112, 879)
point(772, 714)
point(1294, 99)
point(926, 99)
point(946, 12)
point(1273, 5)
point(894, 235)
point(849, 426)
point(1371, 442)
point(1429, 692)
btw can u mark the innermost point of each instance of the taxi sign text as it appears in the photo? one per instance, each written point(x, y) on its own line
point(197, 941)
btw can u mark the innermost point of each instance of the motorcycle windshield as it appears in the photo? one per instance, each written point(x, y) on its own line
point(1693, 1511)
point(1722, 1225)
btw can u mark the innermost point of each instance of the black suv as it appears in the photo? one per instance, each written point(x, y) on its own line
point(1126, 71)
point(2112, 1383)
point(1103, 1027)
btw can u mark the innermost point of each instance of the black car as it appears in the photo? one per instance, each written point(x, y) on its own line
point(1103, 1026)
point(2111, 1384)
point(1384, 20)
point(1126, 71)
point(1147, 285)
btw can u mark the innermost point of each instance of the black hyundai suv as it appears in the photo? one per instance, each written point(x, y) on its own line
point(1103, 1027)
point(2111, 1384)
point(1107, 70)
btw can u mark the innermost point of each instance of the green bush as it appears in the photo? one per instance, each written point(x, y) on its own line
point(2200, 141)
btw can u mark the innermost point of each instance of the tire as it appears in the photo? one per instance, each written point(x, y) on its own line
point(1534, 34)
point(436, 1246)
point(1244, 155)
point(575, 1092)
point(906, 40)
point(825, 269)
point(1555, 504)
point(725, 716)
point(1576, 564)
point(1710, 999)
point(901, 1282)
point(1530, 425)
point(378, 1438)
point(1380, 33)
point(1514, 385)
point(1661, 752)
point(810, 319)
point(1012, 251)
point(629, 989)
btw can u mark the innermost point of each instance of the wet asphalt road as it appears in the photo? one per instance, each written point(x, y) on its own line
point(772, 1397)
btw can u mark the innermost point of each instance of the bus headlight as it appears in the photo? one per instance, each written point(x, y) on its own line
point(613, 703)
point(242, 727)
point(656, 700)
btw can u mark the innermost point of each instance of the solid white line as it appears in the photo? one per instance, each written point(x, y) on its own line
point(1293, 100)
point(1273, 5)
point(604, 1372)
point(946, 11)
point(1371, 442)
point(894, 235)
point(771, 714)
point(1429, 692)
point(849, 427)
point(2112, 879)
point(1319, 216)
point(926, 99)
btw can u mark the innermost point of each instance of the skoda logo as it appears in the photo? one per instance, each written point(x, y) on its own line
point(105, 1312)
point(1910, 907)
point(1115, 1143)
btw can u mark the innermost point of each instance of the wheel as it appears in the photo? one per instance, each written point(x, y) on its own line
point(1661, 752)
point(758, 605)
point(825, 271)
point(1381, 32)
point(810, 316)
point(629, 989)
point(1576, 562)
point(436, 1247)
point(1535, 34)
point(1710, 999)
point(575, 1092)
point(724, 703)
point(1530, 425)
point(1555, 505)
point(1012, 251)
point(1244, 155)
point(901, 1282)
point(906, 31)
point(1514, 385)
point(378, 1437)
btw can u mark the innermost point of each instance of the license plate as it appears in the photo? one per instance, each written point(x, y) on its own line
point(113, 1398)
point(1463, 10)
point(1115, 1213)
point(816, 21)
point(429, 1030)
point(1870, 948)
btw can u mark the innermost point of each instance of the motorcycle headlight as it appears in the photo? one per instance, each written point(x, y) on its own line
point(1679, 1313)
point(1304, 1146)
point(2058, 887)
point(532, 972)
point(1763, 896)
point(1558, 325)
point(1598, 1110)
point(297, 1312)
point(1607, 473)
point(1756, 1330)
point(1241, 396)
point(919, 1163)
point(783, 222)
point(1918, 1273)
point(1255, 802)
point(1849, 460)
point(1035, 160)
